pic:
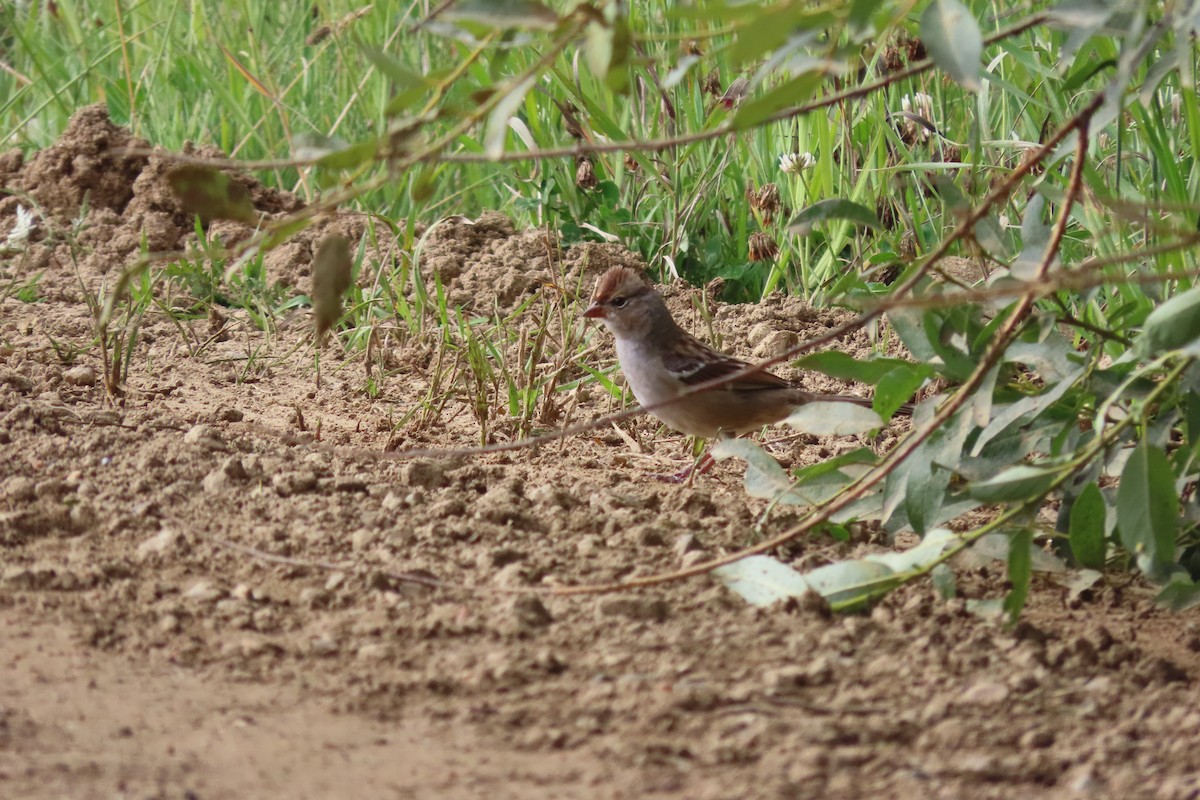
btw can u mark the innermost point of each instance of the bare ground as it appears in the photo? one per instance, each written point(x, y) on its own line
point(144, 655)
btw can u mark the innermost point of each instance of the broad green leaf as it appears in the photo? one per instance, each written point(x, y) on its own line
point(332, 152)
point(331, 269)
point(896, 388)
point(281, 231)
point(863, 457)
point(1035, 235)
point(762, 580)
point(1020, 482)
point(930, 549)
point(772, 27)
point(767, 480)
point(910, 327)
point(838, 364)
point(1180, 594)
point(1020, 571)
point(924, 494)
point(397, 72)
point(1025, 409)
point(848, 585)
point(606, 47)
point(504, 13)
point(860, 15)
point(823, 418)
point(954, 42)
point(764, 479)
point(211, 194)
point(1172, 325)
point(944, 582)
point(1087, 527)
point(497, 124)
point(996, 546)
point(835, 208)
point(1148, 508)
point(790, 93)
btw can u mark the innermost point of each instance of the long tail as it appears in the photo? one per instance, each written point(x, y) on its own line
point(905, 410)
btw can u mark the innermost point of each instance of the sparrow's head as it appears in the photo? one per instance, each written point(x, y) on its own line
point(628, 305)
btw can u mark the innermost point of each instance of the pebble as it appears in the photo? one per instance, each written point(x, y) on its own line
point(642, 609)
point(20, 488)
point(287, 484)
point(350, 483)
point(204, 592)
point(80, 376)
point(426, 474)
point(162, 543)
point(203, 435)
point(375, 651)
point(323, 645)
point(529, 613)
point(984, 693)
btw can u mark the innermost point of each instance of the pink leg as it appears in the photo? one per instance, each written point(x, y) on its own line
point(689, 472)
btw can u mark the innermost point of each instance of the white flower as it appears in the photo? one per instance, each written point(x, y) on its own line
point(917, 105)
point(795, 163)
point(20, 232)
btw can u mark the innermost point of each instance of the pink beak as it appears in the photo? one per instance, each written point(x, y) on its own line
point(594, 311)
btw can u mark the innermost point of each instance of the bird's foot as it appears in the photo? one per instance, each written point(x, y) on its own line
point(689, 473)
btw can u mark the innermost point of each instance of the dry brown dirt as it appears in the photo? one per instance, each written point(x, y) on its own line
point(144, 655)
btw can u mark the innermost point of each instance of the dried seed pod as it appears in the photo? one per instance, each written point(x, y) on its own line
point(762, 247)
point(585, 174)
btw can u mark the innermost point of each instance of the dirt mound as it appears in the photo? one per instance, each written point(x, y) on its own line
point(222, 566)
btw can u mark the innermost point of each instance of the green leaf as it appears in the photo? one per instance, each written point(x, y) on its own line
point(943, 581)
point(392, 68)
point(1180, 594)
point(838, 364)
point(334, 153)
point(1020, 571)
point(849, 585)
point(767, 480)
point(835, 208)
point(822, 418)
point(859, 458)
point(1021, 482)
point(788, 94)
point(897, 387)
point(762, 580)
point(606, 47)
point(211, 194)
point(1172, 325)
point(954, 42)
point(1148, 508)
point(910, 327)
point(331, 269)
point(1087, 527)
point(772, 27)
point(860, 15)
point(497, 124)
point(504, 13)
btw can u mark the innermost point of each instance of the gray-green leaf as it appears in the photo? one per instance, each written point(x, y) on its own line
point(1087, 527)
point(954, 42)
point(1148, 507)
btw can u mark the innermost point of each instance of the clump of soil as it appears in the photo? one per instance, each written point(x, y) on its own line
point(225, 561)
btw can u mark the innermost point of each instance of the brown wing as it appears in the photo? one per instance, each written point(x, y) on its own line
point(696, 363)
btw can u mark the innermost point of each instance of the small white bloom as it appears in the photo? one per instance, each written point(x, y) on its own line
point(795, 163)
point(20, 232)
point(918, 105)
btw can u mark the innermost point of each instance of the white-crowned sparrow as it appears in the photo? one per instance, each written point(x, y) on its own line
point(662, 363)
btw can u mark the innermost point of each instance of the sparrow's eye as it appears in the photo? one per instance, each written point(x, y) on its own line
point(619, 302)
